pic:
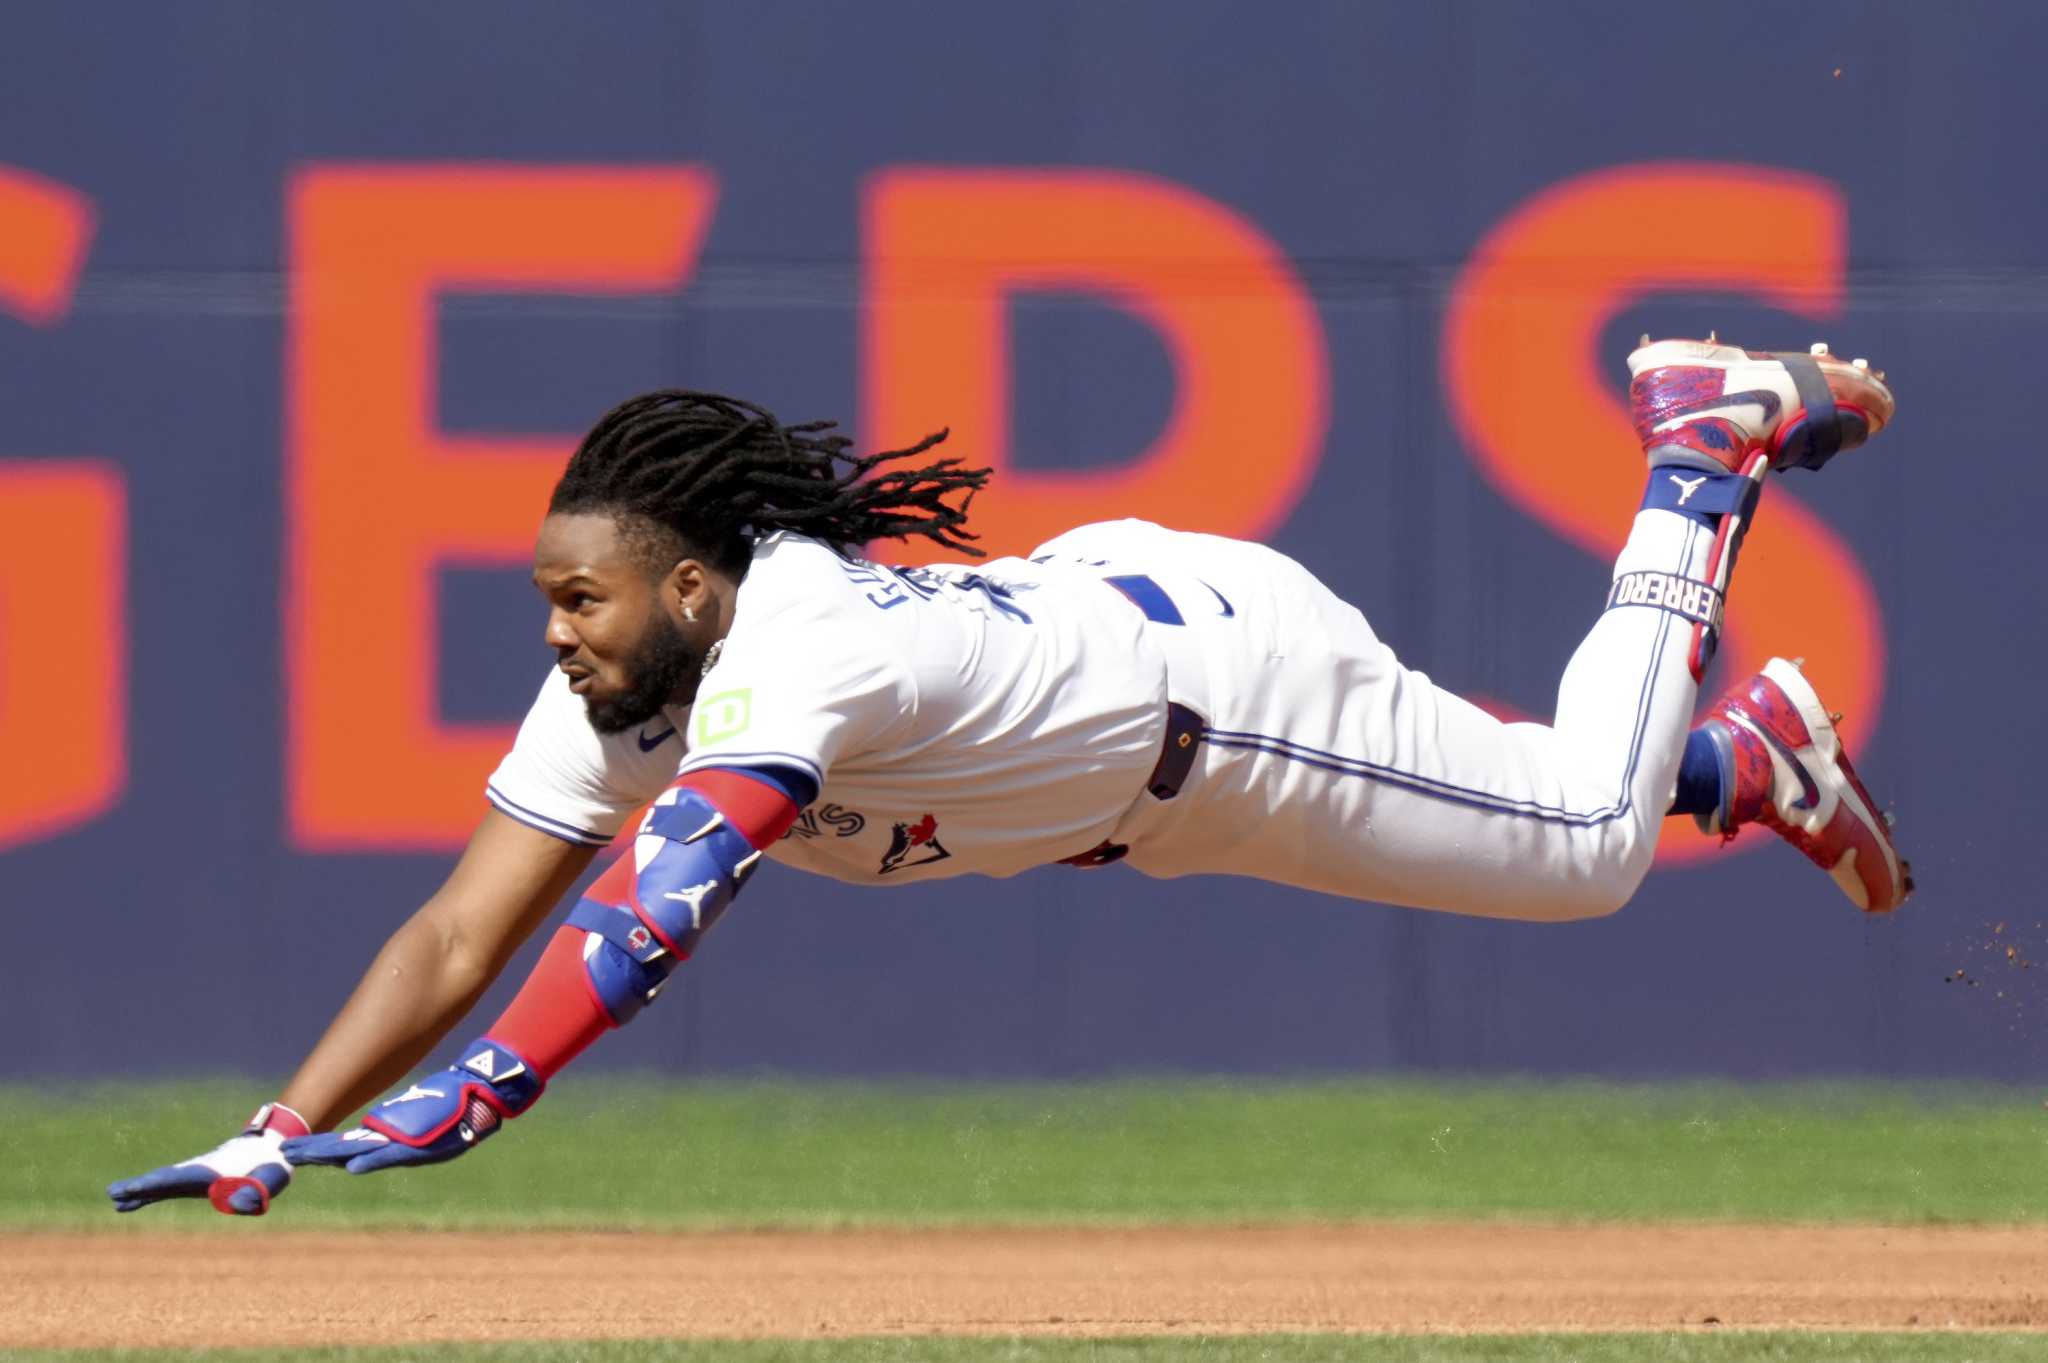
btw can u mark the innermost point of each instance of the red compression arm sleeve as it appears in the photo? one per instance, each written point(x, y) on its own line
point(556, 1013)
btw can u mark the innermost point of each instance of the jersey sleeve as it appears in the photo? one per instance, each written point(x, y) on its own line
point(567, 780)
point(799, 701)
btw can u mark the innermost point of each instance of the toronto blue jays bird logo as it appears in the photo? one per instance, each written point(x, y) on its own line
point(914, 844)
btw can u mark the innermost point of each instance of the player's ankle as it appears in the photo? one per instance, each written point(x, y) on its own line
point(1701, 495)
point(1700, 782)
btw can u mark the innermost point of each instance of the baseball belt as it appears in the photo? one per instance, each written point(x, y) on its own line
point(1184, 730)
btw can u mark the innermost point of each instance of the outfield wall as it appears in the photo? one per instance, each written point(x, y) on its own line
point(301, 306)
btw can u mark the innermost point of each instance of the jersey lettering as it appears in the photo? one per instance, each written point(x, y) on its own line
point(928, 584)
point(812, 822)
point(843, 821)
point(884, 592)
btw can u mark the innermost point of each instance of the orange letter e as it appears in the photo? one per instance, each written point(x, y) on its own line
point(377, 499)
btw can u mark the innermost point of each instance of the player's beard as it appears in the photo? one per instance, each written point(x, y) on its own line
point(656, 671)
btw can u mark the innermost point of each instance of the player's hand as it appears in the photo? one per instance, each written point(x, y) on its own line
point(435, 1119)
point(239, 1177)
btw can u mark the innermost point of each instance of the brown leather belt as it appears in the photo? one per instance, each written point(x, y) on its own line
point(1184, 730)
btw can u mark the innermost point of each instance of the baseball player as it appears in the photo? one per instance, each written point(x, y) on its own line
point(1180, 702)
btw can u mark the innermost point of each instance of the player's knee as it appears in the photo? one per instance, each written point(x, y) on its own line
point(1605, 896)
point(1601, 879)
point(1619, 874)
point(1573, 903)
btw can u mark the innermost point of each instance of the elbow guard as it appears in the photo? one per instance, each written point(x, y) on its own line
point(647, 913)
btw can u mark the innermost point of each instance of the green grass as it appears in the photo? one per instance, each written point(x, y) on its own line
point(1735, 1347)
point(618, 1153)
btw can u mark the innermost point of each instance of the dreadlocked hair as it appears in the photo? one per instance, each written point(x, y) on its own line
point(720, 472)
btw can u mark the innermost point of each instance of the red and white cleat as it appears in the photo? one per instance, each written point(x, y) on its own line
point(1711, 406)
point(1782, 766)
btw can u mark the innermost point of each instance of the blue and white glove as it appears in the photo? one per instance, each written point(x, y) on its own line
point(239, 1177)
point(437, 1118)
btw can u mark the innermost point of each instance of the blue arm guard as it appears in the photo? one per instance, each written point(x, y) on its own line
point(688, 863)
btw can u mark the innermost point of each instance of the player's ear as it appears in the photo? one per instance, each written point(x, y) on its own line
point(686, 592)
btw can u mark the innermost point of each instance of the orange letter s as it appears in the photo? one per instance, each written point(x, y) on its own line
point(1520, 366)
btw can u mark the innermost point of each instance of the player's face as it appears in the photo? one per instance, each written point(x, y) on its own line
point(612, 636)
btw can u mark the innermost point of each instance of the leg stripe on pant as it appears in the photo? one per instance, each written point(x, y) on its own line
point(1437, 789)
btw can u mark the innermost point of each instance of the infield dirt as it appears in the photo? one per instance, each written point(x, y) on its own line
point(223, 1288)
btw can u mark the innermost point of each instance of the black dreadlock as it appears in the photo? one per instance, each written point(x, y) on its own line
point(718, 471)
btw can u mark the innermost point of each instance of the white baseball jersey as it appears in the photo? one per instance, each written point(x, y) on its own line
point(988, 718)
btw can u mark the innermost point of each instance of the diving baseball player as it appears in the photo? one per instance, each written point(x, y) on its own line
point(1180, 702)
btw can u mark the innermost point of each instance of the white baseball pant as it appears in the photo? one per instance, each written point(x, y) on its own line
point(1329, 765)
